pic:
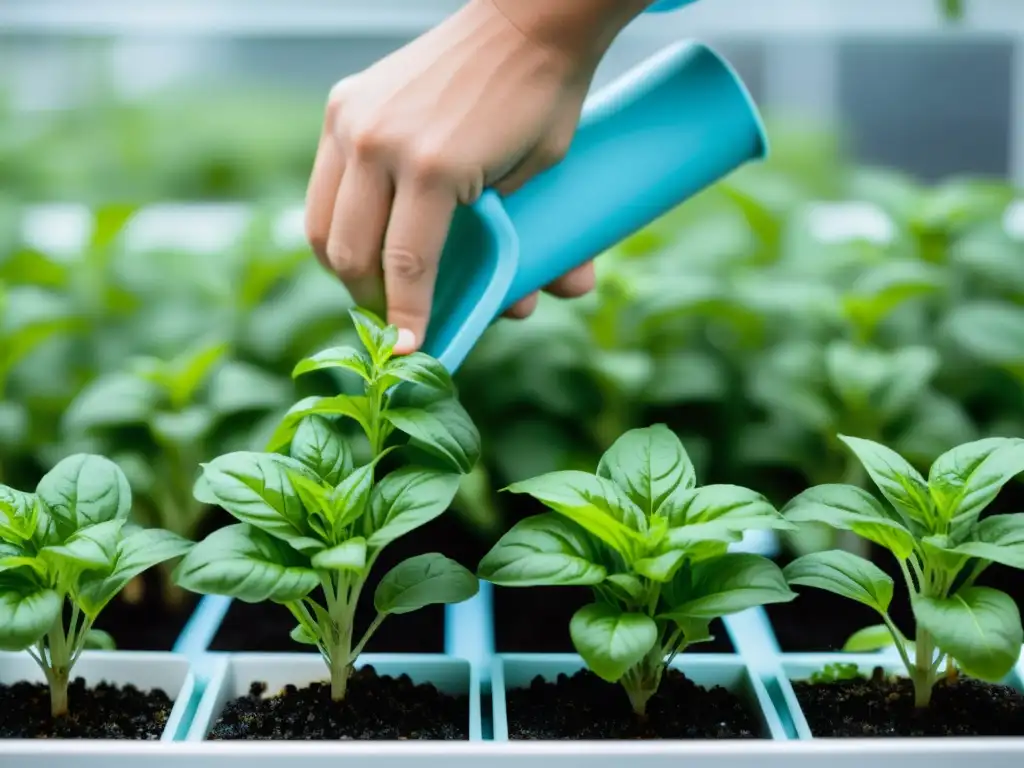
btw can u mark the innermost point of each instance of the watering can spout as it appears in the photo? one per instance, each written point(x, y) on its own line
point(655, 137)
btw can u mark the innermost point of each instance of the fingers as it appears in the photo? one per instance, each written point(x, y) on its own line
point(320, 195)
point(420, 217)
point(571, 285)
point(360, 218)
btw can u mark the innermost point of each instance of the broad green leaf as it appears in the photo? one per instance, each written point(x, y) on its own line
point(346, 358)
point(378, 338)
point(843, 574)
point(302, 634)
point(596, 504)
point(12, 556)
point(189, 426)
point(319, 446)
point(113, 400)
point(347, 556)
point(418, 368)
point(719, 513)
point(730, 584)
point(405, 500)
point(978, 626)
point(98, 640)
point(81, 490)
point(94, 546)
point(649, 464)
point(243, 562)
point(849, 508)
point(898, 481)
point(27, 611)
point(136, 552)
point(424, 580)
point(349, 500)
point(255, 489)
point(191, 371)
point(868, 639)
point(611, 641)
point(989, 331)
point(910, 371)
point(443, 428)
point(965, 480)
point(630, 586)
point(238, 387)
point(542, 550)
point(661, 567)
point(356, 407)
point(19, 514)
point(884, 287)
point(999, 539)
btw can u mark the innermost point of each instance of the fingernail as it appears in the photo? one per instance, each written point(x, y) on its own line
point(406, 341)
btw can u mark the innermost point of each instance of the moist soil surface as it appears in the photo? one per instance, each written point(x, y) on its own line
point(378, 707)
point(549, 610)
point(585, 707)
point(963, 707)
point(102, 712)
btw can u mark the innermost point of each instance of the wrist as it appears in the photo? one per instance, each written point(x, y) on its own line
point(580, 29)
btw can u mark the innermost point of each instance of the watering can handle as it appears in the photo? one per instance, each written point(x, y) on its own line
point(653, 138)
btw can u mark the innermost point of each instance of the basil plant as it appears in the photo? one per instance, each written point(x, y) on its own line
point(312, 523)
point(69, 543)
point(932, 527)
point(653, 547)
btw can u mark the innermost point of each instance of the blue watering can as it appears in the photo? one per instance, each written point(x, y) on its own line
point(662, 132)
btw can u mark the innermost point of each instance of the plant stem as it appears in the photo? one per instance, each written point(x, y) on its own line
point(923, 676)
point(642, 681)
point(374, 625)
point(59, 668)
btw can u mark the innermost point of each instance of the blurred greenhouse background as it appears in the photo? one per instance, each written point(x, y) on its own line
point(868, 278)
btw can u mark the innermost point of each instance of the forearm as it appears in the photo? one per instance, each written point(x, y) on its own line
point(581, 28)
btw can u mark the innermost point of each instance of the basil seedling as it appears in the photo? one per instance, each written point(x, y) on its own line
point(932, 528)
point(69, 542)
point(653, 547)
point(313, 519)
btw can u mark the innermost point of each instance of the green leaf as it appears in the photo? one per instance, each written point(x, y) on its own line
point(112, 400)
point(243, 562)
point(356, 407)
point(649, 464)
point(978, 626)
point(661, 567)
point(136, 552)
point(237, 387)
point(730, 584)
point(598, 505)
point(27, 611)
point(542, 550)
point(989, 331)
point(424, 580)
point(898, 481)
point(719, 513)
point(347, 556)
point(868, 639)
point(998, 539)
point(843, 574)
point(849, 508)
point(611, 641)
point(965, 480)
point(442, 428)
point(255, 488)
point(81, 490)
point(405, 500)
point(94, 546)
point(319, 446)
point(347, 358)
point(98, 640)
point(418, 368)
point(191, 371)
point(190, 425)
point(302, 634)
point(378, 338)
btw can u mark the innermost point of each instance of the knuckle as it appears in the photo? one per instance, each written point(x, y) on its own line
point(366, 141)
point(316, 236)
point(343, 261)
point(405, 264)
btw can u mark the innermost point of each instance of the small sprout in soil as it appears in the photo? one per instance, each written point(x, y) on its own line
point(70, 542)
point(932, 528)
point(315, 519)
point(653, 547)
point(835, 672)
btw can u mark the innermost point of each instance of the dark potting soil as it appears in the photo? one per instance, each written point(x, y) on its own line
point(866, 708)
point(376, 707)
point(585, 707)
point(549, 610)
point(102, 712)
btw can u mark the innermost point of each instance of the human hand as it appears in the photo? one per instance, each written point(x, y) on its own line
point(489, 98)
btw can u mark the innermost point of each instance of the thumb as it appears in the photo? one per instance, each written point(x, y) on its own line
point(417, 230)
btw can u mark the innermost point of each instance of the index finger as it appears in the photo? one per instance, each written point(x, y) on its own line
point(416, 233)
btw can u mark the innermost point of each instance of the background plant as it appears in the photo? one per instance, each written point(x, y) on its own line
point(318, 519)
point(70, 542)
point(653, 547)
point(933, 528)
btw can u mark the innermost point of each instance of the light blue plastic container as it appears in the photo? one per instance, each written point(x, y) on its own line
point(672, 126)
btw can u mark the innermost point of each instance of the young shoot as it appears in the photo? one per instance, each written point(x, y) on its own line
point(932, 528)
point(653, 547)
point(312, 523)
point(69, 542)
